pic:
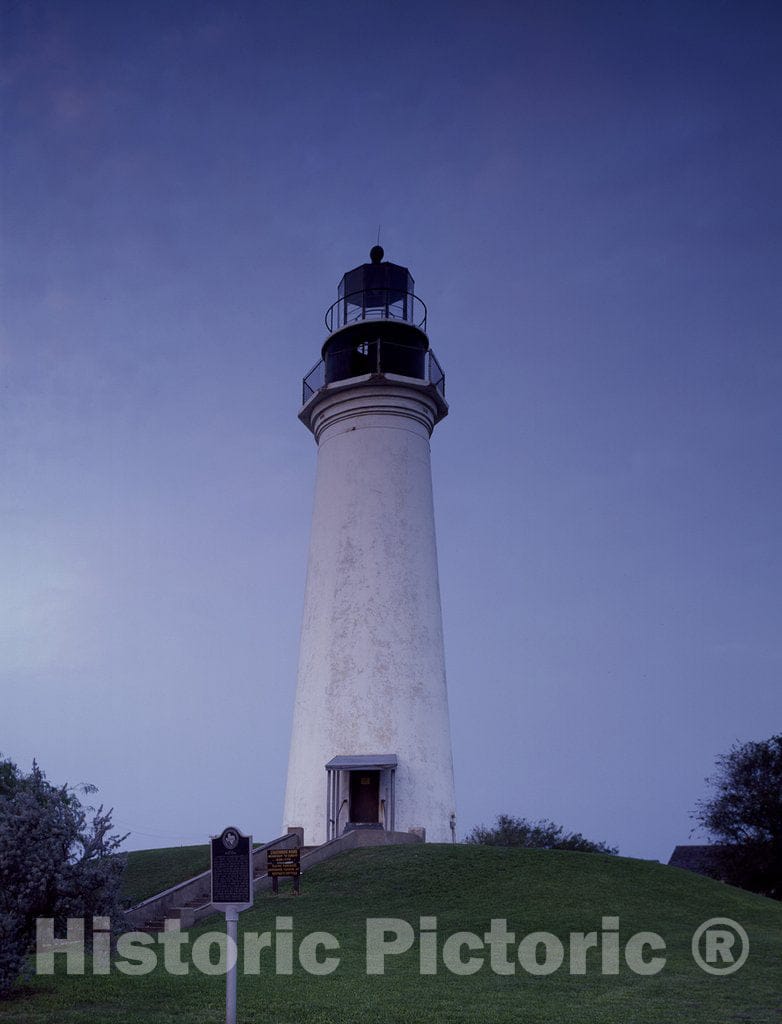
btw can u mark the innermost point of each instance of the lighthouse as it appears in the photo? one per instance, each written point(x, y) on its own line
point(371, 745)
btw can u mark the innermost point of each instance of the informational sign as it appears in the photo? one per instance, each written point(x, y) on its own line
point(232, 870)
point(232, 892)
point(284, 864)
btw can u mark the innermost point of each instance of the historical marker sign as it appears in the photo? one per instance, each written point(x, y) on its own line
point(232, 892)
point(232, 869)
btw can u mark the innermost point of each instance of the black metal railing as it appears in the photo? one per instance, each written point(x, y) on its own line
point(314, 381)
point(374, 357)
point(376, 304)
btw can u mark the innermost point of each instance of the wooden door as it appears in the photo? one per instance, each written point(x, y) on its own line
point(364, 796)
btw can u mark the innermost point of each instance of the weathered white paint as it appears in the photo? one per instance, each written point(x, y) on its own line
point(371, 664)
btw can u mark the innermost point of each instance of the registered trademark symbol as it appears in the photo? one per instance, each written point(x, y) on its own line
point(720, 946)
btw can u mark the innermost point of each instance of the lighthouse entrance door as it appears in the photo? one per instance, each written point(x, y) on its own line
point(364, 796)
point(360, 792)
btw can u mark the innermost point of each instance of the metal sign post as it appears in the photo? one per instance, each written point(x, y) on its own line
point(232, 931)
point(232, 892)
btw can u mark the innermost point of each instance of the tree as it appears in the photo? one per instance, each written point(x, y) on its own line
point(58, 859)
point(536, 835)
point(744, 816)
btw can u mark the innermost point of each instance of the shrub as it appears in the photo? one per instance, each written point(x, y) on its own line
point(537, 835)
point(58, 859)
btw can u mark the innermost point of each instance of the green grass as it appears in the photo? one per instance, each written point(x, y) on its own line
point(151, 871)
point(464, 887)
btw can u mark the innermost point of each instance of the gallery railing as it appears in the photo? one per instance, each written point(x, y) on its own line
point(376, 357)
point(376, 304)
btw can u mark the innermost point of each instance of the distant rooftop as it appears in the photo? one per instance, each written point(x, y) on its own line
point(702, 859)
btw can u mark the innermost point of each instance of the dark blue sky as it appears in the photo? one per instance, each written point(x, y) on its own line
point(588, 196)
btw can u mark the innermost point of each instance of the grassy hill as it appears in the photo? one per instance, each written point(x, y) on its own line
point(151, 871)
point(464, 887)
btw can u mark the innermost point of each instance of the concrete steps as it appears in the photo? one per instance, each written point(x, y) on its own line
point(199, 901)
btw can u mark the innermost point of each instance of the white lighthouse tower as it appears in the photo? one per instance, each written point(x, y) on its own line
point(371, 745)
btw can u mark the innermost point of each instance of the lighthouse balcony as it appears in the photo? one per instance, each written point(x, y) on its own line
point(372, 303)
point(373, 357)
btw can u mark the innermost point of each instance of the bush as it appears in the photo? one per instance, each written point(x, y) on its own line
point(58, 859)
point(536, 835)
point(13, 951)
